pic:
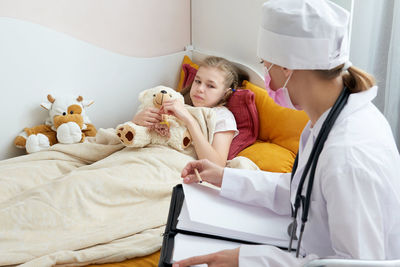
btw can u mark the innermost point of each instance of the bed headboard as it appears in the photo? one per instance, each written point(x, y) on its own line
point(42, 61)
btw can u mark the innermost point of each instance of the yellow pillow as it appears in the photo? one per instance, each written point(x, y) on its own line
point(279, 133)
point(269, 157)
point(278, 125)
point(188, 69)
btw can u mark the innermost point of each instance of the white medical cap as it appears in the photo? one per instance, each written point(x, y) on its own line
point(304, 34)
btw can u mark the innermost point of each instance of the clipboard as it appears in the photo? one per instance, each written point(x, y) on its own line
point(171, 229)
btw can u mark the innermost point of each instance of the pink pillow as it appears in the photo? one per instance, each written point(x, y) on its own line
point(190, 74)
point(242, 105)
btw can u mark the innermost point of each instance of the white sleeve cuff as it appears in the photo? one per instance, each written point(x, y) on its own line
point(229, 185)
point(264, 255)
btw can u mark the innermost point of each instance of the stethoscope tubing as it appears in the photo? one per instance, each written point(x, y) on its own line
point(312, 163)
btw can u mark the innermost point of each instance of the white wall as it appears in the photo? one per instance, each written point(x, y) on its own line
point(130, 27)
point(230, 28)
point(364, 28)
point(372, 30)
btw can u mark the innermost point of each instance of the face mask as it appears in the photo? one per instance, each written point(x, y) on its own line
point(280, 96)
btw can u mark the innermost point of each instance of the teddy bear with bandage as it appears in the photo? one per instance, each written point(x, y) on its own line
point(170, 131)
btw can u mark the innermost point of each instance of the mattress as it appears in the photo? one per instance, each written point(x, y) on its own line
point(146, 261)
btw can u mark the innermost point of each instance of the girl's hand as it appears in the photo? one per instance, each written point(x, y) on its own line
point(209, 172)
point(147, 117)
point(176, 108)
point(224, 258)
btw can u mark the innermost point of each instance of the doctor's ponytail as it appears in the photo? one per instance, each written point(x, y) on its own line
point(357, 80)
point(354, 78)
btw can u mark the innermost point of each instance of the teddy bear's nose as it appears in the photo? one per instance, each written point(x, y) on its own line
point(163, 91)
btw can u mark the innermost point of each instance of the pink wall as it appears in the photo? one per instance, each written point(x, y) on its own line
point(139, 28)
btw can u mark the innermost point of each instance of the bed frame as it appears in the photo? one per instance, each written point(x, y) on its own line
point(43, 61)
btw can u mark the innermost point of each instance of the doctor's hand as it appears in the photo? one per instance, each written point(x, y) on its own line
point(224, 258)
point(209, 172)
point(147, 117)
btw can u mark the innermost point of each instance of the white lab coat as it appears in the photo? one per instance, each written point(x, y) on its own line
point(355, 202)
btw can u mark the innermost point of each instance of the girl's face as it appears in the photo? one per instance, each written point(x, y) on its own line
point(208, 87)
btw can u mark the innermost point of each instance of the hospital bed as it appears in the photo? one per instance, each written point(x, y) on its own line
point(46, 61)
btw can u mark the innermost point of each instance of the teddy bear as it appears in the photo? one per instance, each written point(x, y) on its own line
point(170, 131)
point(67, 123)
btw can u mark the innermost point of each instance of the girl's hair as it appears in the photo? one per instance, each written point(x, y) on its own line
point(355, 79)
point(231, 77)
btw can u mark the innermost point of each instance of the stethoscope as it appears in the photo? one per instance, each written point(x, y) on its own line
point(312, 164)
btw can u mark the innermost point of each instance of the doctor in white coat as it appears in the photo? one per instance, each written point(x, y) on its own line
point(354, 209)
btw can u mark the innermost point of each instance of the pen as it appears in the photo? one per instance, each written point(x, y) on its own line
point(198, 175)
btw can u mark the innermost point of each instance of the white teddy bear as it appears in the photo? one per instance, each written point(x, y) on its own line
point(170, 131)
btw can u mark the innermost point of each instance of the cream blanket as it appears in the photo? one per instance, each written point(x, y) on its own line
point(94, 202)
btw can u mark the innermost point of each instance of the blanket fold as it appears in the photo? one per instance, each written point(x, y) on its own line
point(93, 202)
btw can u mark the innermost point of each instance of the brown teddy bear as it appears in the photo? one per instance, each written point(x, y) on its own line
point(67, 123)
point(170, 130)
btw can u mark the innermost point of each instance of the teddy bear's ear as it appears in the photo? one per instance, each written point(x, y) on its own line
point(50, 98)
point(87, 103)
point(142, 95)
point(46, 105)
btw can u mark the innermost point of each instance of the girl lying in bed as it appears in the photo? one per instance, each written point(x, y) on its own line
point(60, 209)
point(214, 83)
